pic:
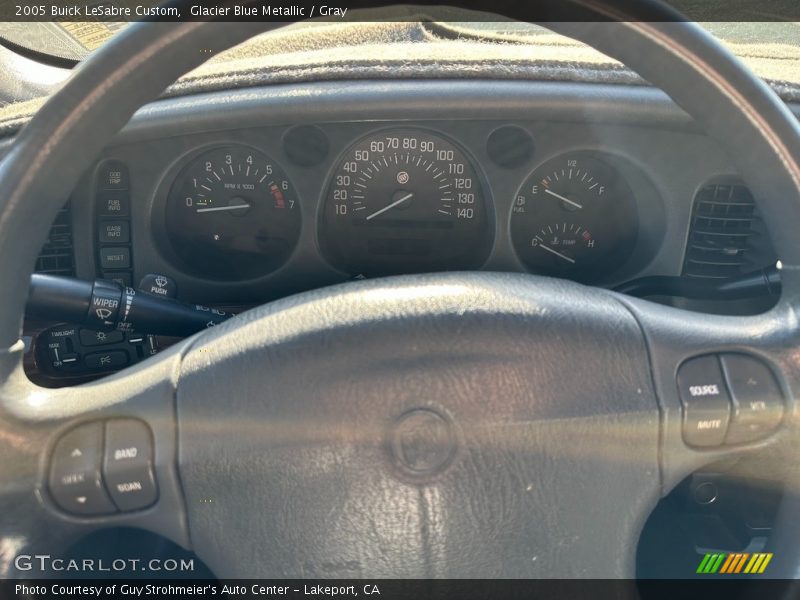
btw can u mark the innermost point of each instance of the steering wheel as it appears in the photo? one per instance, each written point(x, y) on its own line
point(438, 425)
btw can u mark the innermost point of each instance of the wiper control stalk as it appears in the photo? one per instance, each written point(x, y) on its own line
point(105, 305)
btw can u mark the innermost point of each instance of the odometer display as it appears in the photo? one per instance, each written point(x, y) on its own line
point(404, 201)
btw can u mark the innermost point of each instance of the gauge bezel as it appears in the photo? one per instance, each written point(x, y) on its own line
point(159, 207)
point(618, 259)
point(480, 252)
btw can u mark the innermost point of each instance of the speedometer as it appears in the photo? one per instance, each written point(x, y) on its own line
point(404, 201)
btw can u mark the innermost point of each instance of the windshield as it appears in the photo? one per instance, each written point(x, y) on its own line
point(771, 49)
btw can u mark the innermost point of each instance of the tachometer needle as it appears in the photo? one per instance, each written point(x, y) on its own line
point(562, 198)
point(557, 253)
point(391, 206)
point(216, 208)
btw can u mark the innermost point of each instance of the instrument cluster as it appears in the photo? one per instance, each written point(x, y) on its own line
point(395, 198)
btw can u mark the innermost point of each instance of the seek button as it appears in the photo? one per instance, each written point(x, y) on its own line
point(75, 472)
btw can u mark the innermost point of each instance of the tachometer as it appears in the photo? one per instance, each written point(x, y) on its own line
point(574, 217)
point(232, 214)
point(402, 201)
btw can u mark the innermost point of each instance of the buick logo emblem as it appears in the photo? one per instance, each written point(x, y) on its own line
point(422, 442)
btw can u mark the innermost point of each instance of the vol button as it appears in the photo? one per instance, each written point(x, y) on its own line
point(757, 398)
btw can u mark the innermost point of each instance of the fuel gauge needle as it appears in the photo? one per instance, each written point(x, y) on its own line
point(216, 208)
point(562, 198)
point(391, 206)
point(557, 253)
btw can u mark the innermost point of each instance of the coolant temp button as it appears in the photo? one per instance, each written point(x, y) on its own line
point(706, 402)
point(128, 464)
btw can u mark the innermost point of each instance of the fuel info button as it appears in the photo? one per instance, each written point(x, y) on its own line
point(706, 402)
point(128, 464)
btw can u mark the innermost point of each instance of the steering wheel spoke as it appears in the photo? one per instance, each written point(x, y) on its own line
point(77, 460)
point(726, 385)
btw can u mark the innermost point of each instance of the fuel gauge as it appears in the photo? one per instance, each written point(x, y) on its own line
point(575, 217)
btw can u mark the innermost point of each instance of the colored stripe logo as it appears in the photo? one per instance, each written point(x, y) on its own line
point(734, 562)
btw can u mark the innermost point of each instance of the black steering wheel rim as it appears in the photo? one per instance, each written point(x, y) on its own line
point(735, 108)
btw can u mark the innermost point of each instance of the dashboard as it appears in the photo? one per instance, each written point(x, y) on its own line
point(236, 198)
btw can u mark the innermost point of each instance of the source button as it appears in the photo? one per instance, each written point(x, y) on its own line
point(706, 402)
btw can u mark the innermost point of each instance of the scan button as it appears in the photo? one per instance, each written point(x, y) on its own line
point(128, 464)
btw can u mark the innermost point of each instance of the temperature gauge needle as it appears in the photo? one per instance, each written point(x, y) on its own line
point(216, 208)
point(557, 253)
point(391, 206)
point(562, 198)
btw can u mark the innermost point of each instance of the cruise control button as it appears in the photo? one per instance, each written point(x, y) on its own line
point(113, 359)
point(706, 402)
point(75, 482)
point(128, 464)
point(757, 399)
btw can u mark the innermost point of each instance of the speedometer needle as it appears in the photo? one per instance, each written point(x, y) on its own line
point(557, 253)
point(563, 199)
point(391, 206)
point(216, 208)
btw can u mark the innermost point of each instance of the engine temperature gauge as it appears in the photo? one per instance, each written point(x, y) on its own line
point(574, 217)
point(567, 242)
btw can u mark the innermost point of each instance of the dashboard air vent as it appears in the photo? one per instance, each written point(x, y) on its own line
point(727, 237)
point(57, 256)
